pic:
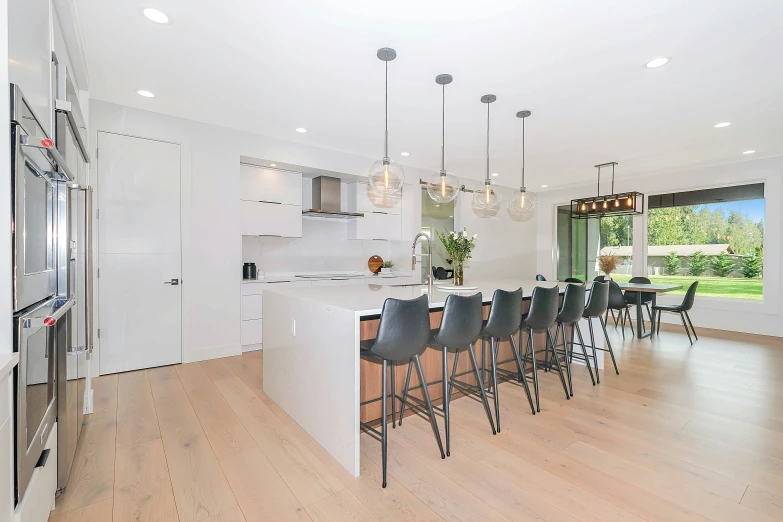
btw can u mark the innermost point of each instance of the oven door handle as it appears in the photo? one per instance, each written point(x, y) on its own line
point(51, 320)
point(47, 146)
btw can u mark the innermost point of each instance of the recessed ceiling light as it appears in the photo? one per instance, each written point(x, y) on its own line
point(544, 186)
point(273, 165)
point(451, 216)
point(301, 129)
point(749, 152)
point(156, 15)
point(657, 62)
point(722, 124)
point(146, 94)
point(495, 174)
point(437, 206)
point(405, 153)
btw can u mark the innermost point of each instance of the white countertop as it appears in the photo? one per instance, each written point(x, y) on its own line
point(7, 363)
point(283, 277)
point(367, 299)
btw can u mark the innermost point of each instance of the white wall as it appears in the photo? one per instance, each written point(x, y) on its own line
point(762, 317)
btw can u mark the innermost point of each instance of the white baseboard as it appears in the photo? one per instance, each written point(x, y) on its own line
point(252, 347)
point(211, 352)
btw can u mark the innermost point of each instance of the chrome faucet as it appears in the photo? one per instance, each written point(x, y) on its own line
point(429, 256)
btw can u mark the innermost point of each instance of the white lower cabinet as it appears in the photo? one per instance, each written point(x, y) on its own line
point(270, 219)
point(6, 449)
point(38, 499)
point(251, 333)
point(376, 225)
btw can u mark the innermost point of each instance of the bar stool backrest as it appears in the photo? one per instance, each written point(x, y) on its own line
point(616, 299)
point(690, 295)
point(573, 304)
point(543, 308)
point(598, 301)
point(462, 320)
point(505, 313)
point(540, 277)
point(573, 280)
point(404, 328)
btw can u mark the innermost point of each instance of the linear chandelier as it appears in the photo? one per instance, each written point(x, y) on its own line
point(620, 204)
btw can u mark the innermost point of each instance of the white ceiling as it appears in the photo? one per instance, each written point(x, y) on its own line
point(270, 66)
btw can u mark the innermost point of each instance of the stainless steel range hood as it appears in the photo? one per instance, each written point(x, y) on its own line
point(326, 200)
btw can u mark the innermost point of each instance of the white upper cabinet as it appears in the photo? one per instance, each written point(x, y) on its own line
point(270, 219)
point(361, 198)
point(272, 186)
point(376, 225)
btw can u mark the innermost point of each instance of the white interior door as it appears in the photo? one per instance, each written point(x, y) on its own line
point(140, 305)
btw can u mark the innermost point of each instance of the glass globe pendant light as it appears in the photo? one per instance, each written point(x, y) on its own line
point(522, 203)
point(443, 186)
point(485, 196)
point(386, 176)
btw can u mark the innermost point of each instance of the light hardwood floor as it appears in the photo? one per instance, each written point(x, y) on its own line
point(683, 433)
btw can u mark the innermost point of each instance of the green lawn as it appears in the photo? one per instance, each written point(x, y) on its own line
point(733, 287)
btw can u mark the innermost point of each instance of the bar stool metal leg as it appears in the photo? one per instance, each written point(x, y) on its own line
point(493, 355)
point(393, 369)
point(688, 317)
point(532, 351)
point(557, 364)
point(584, 352)
point(384, 421)
point(565, 356)
point(521, 365)
point(426, 392)
point(609, 348)
point(446, 399)
point(405, 391)
point(595, 353)
point(480, 382)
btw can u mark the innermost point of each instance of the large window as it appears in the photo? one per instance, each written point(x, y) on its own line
point(715, 236)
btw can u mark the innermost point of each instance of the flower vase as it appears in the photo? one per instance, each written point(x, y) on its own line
point(459, 274)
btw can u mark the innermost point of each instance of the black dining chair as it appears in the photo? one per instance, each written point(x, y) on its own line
point(540, 277)
point(646, 297)
point(460, 327)
point(617, 304)
point(403, 333)
point(574, 280)
point(682, 309)
point(441, 273)
point(570, 314)
point(541, 316)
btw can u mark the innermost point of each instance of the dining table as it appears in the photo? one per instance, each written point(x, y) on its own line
point(646, 288)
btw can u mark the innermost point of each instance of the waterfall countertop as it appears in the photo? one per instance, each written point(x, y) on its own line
point(368, 299)
point(7, 362)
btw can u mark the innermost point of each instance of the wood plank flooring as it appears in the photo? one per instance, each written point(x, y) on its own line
point(683, 433)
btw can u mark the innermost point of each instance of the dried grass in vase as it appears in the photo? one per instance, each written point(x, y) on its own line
point(608, 263)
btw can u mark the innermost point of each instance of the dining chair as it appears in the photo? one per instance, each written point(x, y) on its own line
point(540, 277)
point(682, 309)
point(647, 298)
point(573, 280)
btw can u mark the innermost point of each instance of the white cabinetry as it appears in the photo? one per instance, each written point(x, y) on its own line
point(270, 219)
point(38, 499)
point(382, 219)
point(6, 446)
point(270, 202)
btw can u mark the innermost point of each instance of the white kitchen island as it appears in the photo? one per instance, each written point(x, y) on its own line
point(311, 352)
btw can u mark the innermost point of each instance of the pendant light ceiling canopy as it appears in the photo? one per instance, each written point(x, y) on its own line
point(486, 196)
point(386, 176)
point(622, 204)
point(443, 186)
point(522, 203)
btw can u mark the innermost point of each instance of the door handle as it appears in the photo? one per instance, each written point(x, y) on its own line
point(173, 282)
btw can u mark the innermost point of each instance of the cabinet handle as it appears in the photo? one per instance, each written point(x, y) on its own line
point(270, 202)
point(173, 282)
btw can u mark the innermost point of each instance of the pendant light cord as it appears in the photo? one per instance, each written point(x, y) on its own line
point(386, 115)
point(487, 143)
point(443, 133)
point(523, 154)
point(612, 178)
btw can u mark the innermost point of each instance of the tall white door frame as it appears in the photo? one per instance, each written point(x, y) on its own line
point(103, 211)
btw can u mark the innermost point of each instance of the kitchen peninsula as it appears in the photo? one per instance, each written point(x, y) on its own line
point(312, 365)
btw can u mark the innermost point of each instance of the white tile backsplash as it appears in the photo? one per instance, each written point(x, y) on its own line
point(324, 245)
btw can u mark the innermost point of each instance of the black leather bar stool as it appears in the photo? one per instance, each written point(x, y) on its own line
point(646, 297)
point(570, 314)
point(460, 327)
point(403, 332)
point(617, 304)
point(505, 317)
point(682, 309)
point(596, 308)
point(540, 277)
point(541, 316)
